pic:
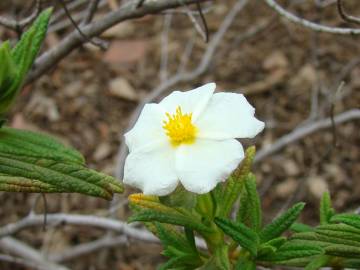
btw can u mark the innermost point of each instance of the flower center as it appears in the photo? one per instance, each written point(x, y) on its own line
point(179, 128)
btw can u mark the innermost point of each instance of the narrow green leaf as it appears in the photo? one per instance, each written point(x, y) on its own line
point(180, 261)
point(205, 205)
point(300, 227)
point(293, 250)
point(219, 260)
point(15, 142)
point(351, 263)
point(235, 184)
point(170, 217)
point(277, 242)
point(282, 223)
point(23, 56)
point(7, 68)
point(30, 43)
point(349, 219)
point(246, 237)
point(31, 162)
point(169, 236)
point(318, 263)
point(190, 238)
point(245, 264)
point(250, 210)
point(340, 231)
point(326, 210)
point(343, 251)
point(221, 257)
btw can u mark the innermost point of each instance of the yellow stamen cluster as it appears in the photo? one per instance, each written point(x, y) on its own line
point(179, 127)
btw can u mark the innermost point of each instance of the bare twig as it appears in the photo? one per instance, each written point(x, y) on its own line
point(203, 31)
point(206, 28)
point(17, 260)
point(301, 132)
point(83, 220)
point(311, 25)
point(50, 58)
point(27, 253)
point(346, 17)
point(93, 221)
point(18, 26)
point(96, 42)
point(90, 12)
point(83, 249)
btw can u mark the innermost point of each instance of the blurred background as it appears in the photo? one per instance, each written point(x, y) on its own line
point(289, 73)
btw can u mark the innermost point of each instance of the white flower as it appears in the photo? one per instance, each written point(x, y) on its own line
point(188, 137)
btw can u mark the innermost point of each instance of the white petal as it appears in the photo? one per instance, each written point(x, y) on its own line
point(228, 115)
point(193, 101)
point(203, 164)
point(148, 128)
point(152, 169)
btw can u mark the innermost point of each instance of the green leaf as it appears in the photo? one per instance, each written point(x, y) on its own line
point(246, 237)
point(22, 58)
point(169, 236)
point(349, 219)
point(205, 205)
point(30, 43)
point(171, 216)
point(282, 223)
point(293, 250)
point(318, 262)
point(245, 264)
point(219, 260)
point(250, 210)
point(300, 227)
point(30, 162)
point(326, 211)
point(235, 184)
point(341, 231)
point(277, 242)
point(343, 251)
point(15, 142)
point(179, 263)
point(351, 263)
point(7, 68)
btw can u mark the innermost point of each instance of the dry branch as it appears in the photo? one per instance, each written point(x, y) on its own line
point(50, 58)
point(308, 24)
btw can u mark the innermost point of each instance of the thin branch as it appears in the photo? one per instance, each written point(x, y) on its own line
point(90, 12)
point(203, 19)
point(203, 31)
point(50, 58)
point(83, 249)
point(28, 253)
point(80, 220)
point(18, 26)
point(346, 17)
point(17, 260)
point(96, 42)
point(84, 220)
point(301, 132)
point(308, 24)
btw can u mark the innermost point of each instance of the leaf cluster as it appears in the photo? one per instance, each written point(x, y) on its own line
point(243, 241)
point(32, 162)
